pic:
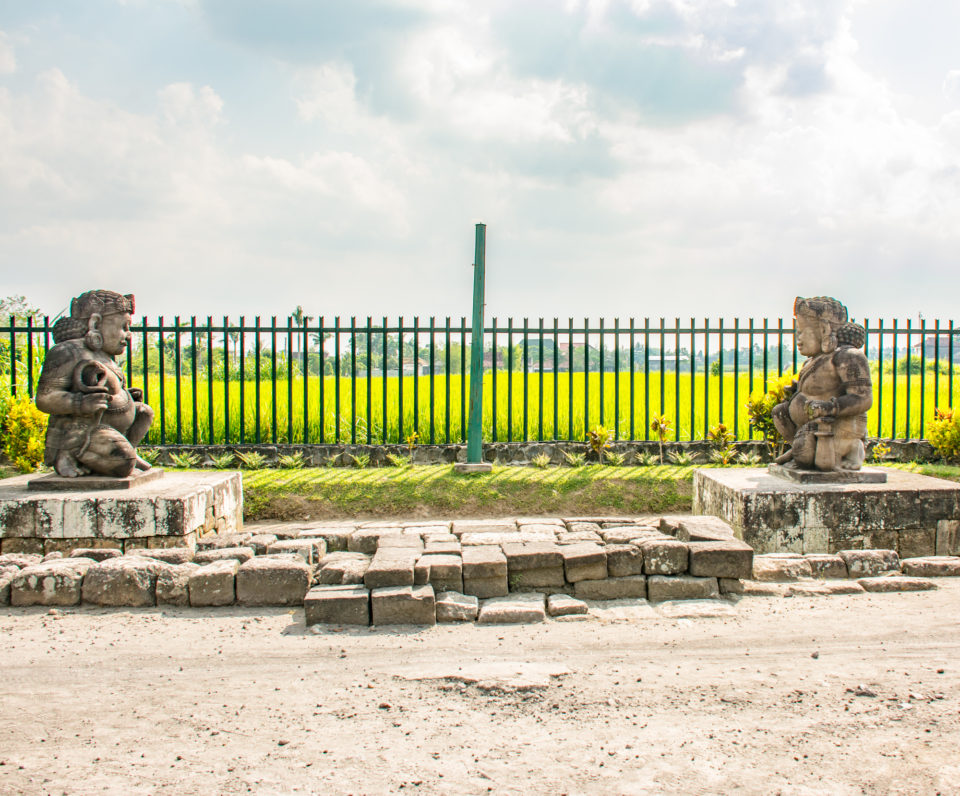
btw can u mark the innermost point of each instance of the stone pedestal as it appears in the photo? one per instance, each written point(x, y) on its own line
point(913, 514)
point(172, 511)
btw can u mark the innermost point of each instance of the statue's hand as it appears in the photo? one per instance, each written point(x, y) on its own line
point(136, 393)
point(93, 402)
point(815, 409)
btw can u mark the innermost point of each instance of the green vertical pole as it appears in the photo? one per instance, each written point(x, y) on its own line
point(475, 430)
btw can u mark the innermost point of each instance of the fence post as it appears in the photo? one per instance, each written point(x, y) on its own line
point(475, 430)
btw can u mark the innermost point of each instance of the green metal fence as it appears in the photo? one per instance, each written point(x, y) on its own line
point(237, 382)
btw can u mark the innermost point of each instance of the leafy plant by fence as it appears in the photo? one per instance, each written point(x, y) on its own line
point(303, 383)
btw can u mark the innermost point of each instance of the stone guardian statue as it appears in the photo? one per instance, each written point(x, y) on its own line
point(825, 416)
point(95, 423)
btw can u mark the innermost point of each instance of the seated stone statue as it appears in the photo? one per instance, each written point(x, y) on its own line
point(825, 416)
point(95, 422)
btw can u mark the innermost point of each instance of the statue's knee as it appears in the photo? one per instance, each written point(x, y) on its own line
point(108, 452)
point(804, 448)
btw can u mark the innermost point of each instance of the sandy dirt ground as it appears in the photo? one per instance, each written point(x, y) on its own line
point(841, 695)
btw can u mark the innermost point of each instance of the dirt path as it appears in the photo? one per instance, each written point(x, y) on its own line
point(227, 701)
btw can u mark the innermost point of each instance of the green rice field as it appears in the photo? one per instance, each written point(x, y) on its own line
point(527, 407)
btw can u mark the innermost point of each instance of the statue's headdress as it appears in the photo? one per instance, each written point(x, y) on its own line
point(830, 313)
point(84, 307)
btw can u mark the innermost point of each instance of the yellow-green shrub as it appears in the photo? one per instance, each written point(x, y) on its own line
point(944, 433)
point(23, 431)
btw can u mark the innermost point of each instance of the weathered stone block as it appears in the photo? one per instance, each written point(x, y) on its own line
point(6, 578)
point(565, 605)
point(214, 584)
point(781, 569)
point(703, 528)
point(914, 544)
point(364, 540)
point(259, 542)
point(403, 605)
point(664, 556)
point(124, 581)
point(219, 541)
point(445, 572)
point(80, 517)
point(867, 563)
point(489, 538)
point(239, 554)
point(442, 547)
point(169, 555)
point(20, 559)
point(66, 546)
point(401, 540)
point(337, 605)
point(486, 587)
point(826, 566)
point(483, 562)
point(389, 570)
point(532, 556)
point(948, 538)
point(572, 537)
point(730, 585)
point(545, 577)
point(18, 545)
point(336, 538)
point(265, 580)
point(931, 566)
point(310, 550)
point(96, 554)
point(123, 518)
point(173, 584)
point(461, 527)
point(584, 561)
point(55, 582)
point(724, 558)
point(893, 583)
point(455, 607)
point(516, 608)
point(624, 560)
point(611, 588)
point(343, 568)
point(628, 533)
point(18, 518)
point(681, 587)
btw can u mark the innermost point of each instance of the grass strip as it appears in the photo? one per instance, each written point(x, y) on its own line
point(433, 491)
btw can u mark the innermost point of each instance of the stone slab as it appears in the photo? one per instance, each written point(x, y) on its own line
point(484, 561)
point(269, 580)
point(624, 560)
point(124, 581)
point(725, 558)
point(823, 588)
point(868, 563)
point(771, 514)
point(403, 605)
point(931, 566)
point(867, 475)
point(486, 587)
point(55, 582)
point(827, 566)
point(337, 605)
point(456, 607)
point(513, 609)
point(214, 584)
point(565, 605)
point(611, 588)
point(775, 569)
point(895, 583)
point(664, 556)
point(173, 584)
point(681, 587)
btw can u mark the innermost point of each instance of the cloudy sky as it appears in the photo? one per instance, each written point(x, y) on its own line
point(630, 157)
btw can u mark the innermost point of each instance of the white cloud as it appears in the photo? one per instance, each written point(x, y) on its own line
point(951, 87)
point(8, 62)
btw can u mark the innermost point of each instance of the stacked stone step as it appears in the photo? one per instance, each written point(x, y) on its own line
point(846, 572)
point(421, 573)
point(477, 569)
